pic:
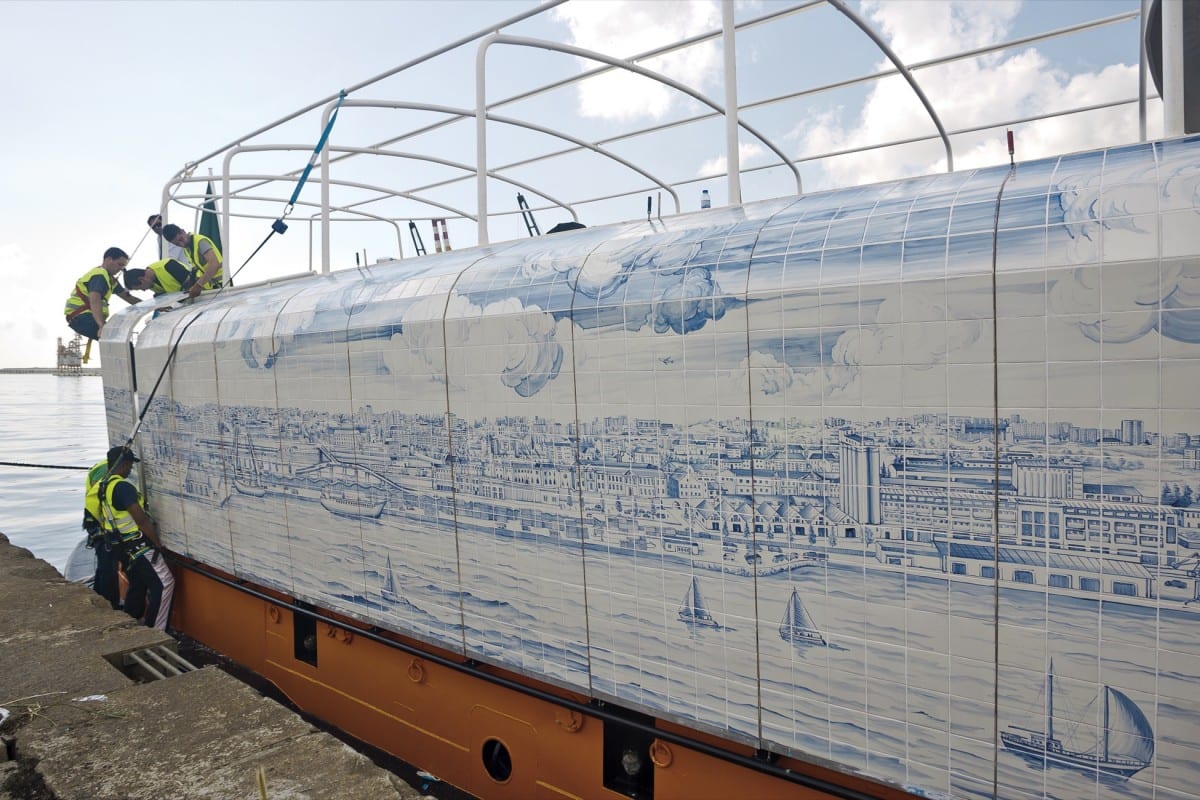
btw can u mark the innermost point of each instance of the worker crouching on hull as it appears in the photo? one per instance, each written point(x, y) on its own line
point(151, 584)
point(203, 256)
point(161, 277)
point(87, 307)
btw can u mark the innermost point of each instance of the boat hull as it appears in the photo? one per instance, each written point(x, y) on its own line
point(1081, 761)
point(248, 489)
point(400, 695)
point(353, 510)
point(803, 637)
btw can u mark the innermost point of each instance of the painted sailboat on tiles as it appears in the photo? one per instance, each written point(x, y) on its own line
point(1124, 746)
point(694, 611)
point(797, 625)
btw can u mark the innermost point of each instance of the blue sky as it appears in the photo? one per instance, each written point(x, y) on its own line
point(104, 101)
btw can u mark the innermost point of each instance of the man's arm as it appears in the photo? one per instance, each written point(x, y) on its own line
point(95, 305)
point(144, 523)
point(127, 297)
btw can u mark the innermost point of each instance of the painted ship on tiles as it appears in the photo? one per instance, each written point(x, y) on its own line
point(797, 625)
point(782, 476)
point(1125, 745)
point(693, 610)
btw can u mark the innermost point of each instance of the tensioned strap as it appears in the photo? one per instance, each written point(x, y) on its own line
point(317, 150)
point(279, 226)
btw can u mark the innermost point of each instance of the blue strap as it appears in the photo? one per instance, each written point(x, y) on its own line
point(317, 150)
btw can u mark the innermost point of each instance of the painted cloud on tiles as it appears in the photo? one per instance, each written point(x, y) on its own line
point(1166, 300)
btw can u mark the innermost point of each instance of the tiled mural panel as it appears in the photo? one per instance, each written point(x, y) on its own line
point(903, 477)
point(188, 402)
point(397, 376)
point(245, 450)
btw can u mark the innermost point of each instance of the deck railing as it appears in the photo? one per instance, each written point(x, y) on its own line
point(259, 194)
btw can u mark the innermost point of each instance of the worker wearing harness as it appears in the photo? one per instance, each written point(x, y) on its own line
point(105, 582)
point(161, 277)
point(87, 307)
point(203, 255)
point(151, 584)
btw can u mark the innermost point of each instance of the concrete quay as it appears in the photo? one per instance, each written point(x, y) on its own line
point(74, 726)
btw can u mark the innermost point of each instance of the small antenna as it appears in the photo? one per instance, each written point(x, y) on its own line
point(649, 206)
point(1011, 148)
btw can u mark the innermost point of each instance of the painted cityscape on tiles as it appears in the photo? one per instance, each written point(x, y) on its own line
point(890, 476)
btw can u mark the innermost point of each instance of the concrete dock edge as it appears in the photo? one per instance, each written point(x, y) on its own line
point(74, 726)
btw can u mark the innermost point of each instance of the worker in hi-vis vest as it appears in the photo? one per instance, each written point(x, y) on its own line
point(87, 306)
point(161, 277)
point(105, 582)
point(151, 584)
point(203, 255)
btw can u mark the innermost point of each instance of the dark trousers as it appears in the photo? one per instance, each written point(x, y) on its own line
point(151, 587)
point(105, 583)
point(85, 325)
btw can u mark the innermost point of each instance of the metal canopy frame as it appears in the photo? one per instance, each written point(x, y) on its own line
point(240, 190)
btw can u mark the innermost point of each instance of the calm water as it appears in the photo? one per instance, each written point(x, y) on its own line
point(47, 419)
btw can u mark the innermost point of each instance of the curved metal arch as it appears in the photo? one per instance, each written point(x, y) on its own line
point(251, 148)
point(543, 44)
point(480, 170)
point(570, 209)
point(681, 44)
point(866, 28)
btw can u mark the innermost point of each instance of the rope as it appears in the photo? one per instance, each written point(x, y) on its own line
point(170, 356)
point(38, 466)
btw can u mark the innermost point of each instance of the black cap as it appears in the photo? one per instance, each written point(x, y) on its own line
point(121, 453)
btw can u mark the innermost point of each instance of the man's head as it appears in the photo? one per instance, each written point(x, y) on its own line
point(121, 459)
point(175, 235)
point(115, 260)
point(136, 279)
point(155, 222)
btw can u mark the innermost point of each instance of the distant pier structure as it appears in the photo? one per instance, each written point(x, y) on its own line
point(70, 357)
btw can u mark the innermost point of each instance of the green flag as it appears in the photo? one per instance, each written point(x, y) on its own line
point(210, 225)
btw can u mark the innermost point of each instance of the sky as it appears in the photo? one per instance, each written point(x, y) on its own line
point(105, 101)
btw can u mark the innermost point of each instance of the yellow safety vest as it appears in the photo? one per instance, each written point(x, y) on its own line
point(78, 303)
point(164, 281)
point(193, 254)
point(122, 523)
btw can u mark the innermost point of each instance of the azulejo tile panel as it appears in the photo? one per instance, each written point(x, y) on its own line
point(870, 476)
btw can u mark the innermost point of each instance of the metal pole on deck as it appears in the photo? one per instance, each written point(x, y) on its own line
point(733, 165)
point(481, 208)
point(1143, 69)
point(1172, 67)
point(225, 208)
point(325, 195)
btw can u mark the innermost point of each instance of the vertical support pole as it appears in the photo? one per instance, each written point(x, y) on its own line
point(1172, 67)
point(226, 234)
point(325, 246)
point(481, 140)
point(1143, 69)
point(733, 163)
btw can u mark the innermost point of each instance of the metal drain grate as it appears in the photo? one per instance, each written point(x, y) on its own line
point(154, 663)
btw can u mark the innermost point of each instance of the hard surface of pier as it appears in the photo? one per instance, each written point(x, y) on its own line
point(73, 726)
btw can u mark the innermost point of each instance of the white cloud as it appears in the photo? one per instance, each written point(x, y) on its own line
point(626, 27)
point(747, 152)
point(1007, 85)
